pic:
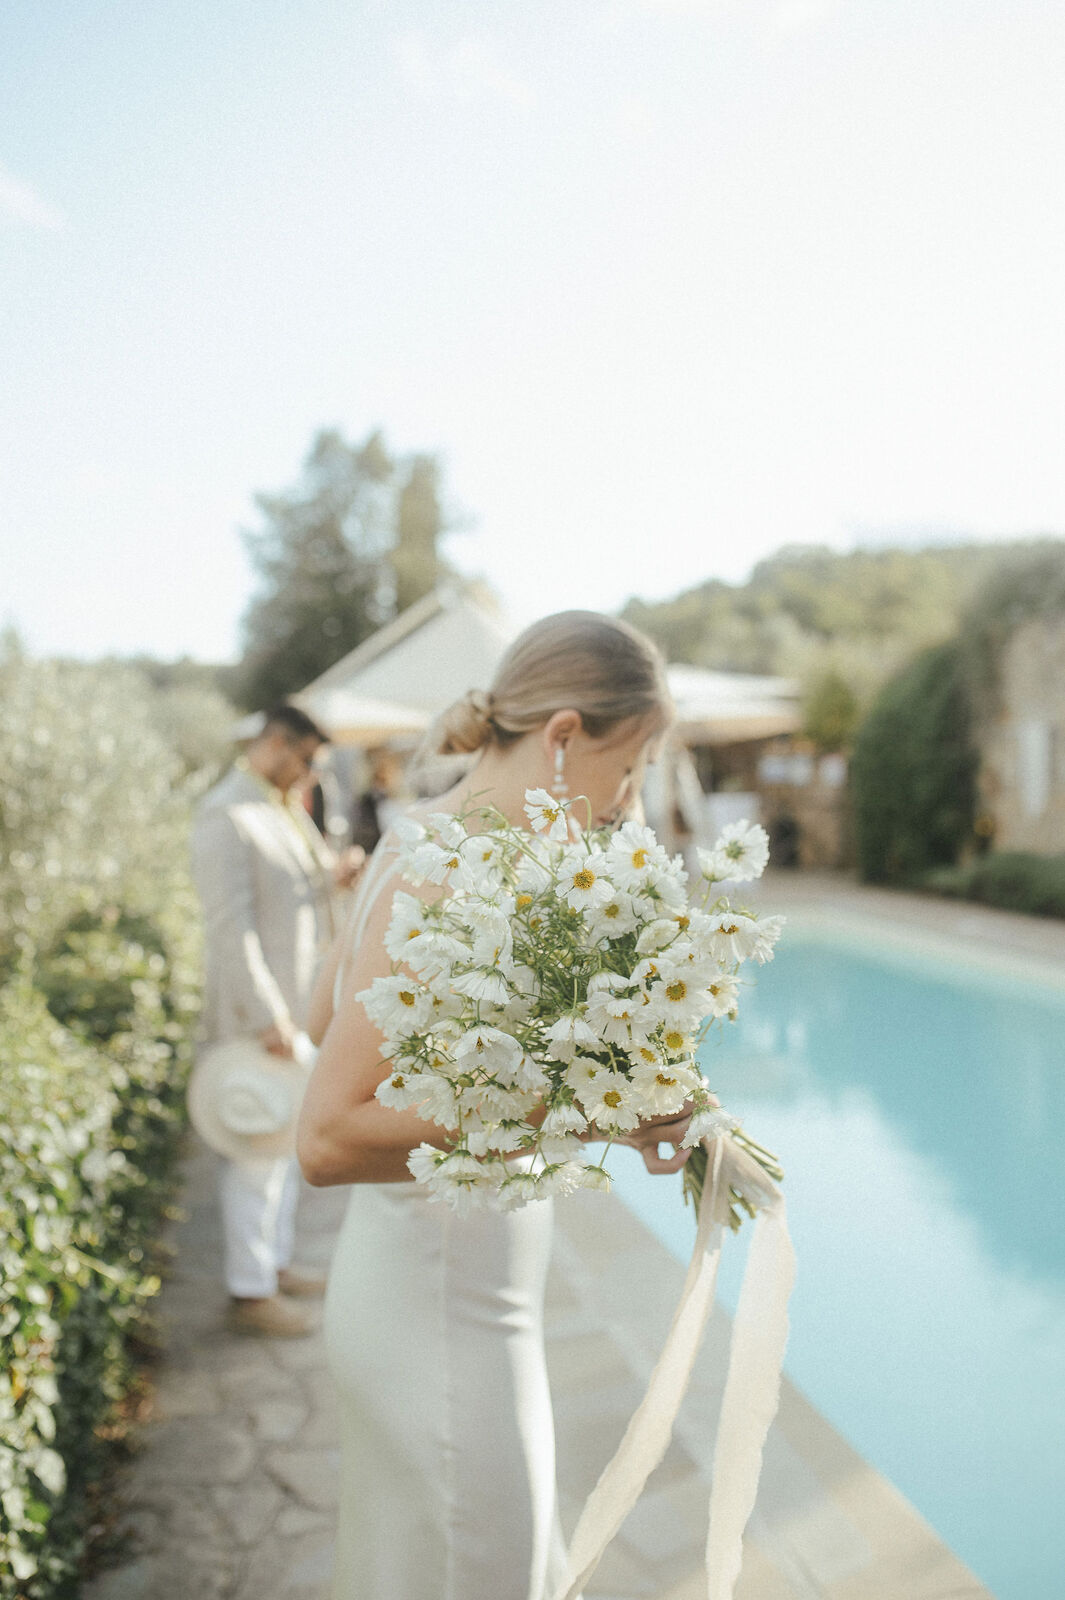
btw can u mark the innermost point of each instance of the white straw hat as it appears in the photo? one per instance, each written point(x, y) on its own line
point(244, 1102)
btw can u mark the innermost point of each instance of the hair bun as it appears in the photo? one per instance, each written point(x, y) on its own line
point(467, 725)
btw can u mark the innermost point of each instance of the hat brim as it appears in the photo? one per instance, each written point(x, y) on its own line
point(212, 1064)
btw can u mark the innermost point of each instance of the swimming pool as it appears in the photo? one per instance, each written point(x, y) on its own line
point(918, 1105)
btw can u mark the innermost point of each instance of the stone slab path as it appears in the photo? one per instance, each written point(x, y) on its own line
point(231, 1494)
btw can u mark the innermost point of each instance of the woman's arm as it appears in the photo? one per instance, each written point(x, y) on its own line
point(344, 1134)
point(320, 1010)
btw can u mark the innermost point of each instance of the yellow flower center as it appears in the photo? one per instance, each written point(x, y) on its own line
point(715, 989)
point(413, 934)
point(674, 1041)
point(613, 910)
point(523, 901)
point(733, 927)
point(486, 855)
point(584, 878)
point(454, 861)
point(684, 923)
point(398, 1082)
point(648, 1055)
point(667, 1083)
point(676, 991)
point(639, 859)
point(550, 813)
point(612, 1099)
point(406, 997)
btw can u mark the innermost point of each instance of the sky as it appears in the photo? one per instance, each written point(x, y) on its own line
point(665, 284)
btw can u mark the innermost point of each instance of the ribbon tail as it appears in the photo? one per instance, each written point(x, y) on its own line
point(650, 1428)
point(751, 1396)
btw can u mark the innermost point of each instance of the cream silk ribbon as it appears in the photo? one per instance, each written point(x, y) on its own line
point(752, 1386)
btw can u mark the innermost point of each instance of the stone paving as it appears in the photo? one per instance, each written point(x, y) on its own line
point(231, 1494)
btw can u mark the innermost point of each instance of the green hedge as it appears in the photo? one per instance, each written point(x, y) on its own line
point(89, 1118)
point(1011, 880)
point(99, 971)
point(913, 771)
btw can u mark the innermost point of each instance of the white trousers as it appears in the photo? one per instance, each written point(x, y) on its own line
point(258, 1223)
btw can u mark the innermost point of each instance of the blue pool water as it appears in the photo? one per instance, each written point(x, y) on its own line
point(918, 1107)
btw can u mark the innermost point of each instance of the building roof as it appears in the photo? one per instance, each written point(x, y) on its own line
point(453, 640)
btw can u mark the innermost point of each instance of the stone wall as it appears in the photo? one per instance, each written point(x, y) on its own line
point(1022, 776)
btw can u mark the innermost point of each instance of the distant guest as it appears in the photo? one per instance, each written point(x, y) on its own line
point(266, 879)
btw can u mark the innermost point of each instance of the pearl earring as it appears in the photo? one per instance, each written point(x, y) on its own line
point(561, 786)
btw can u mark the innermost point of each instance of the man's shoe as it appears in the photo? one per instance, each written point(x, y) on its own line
point(276, 1317)
point(301, 1285)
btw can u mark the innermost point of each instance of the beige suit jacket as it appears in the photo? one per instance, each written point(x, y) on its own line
point(265, 892)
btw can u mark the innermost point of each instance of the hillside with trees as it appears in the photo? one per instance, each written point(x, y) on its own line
point(842, 623)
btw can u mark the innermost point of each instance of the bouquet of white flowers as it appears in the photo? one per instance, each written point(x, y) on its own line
point(557, 986)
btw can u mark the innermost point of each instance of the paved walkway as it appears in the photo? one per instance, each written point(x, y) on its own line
point(232, 1492)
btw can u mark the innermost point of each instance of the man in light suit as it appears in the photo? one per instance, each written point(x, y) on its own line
point(266, 879)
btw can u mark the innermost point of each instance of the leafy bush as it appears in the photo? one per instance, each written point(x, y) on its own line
point(68, 1287)
point(1011, 880)
point(99, 963)
point(913, 771)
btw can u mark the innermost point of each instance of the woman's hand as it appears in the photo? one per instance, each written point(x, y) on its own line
point(661, 1130)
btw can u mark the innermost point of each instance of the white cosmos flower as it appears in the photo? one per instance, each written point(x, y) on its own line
point(610, 1105)
point(404, 1091)
point(613, 919)
point(563, 1119)
point(560, 1147)
point(708, 1124)
point(559, 1178)
point(480, 869)
point(435, 954)
point(582, 881)
point(568, 1035)
point(740, 854)
point(431, 862)
point(530, 1075)
point(676, 997)
point(663, 1090)
point(482, 984)
point(518, 1188)
point(617, 1018)
point(657, 935)
point(769, 931)
point(581, 1075)
point(409, 922)
point(448, 828)
point(397, 1005)
point(500, 1138)
point(595, 1178)
point(493, 941)
point(546, 814)
point(491, 1102)
point(489, 1049)
point(723, 992)
point(635, 857)
point(423, 1162)
point(733, 936)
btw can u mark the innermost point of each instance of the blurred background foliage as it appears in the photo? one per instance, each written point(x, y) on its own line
point(100, 765)
point(350, 545)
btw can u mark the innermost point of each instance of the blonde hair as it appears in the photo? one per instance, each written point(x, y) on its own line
point(580, 660)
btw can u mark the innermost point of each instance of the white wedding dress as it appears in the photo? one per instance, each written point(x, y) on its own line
point(433, 1325)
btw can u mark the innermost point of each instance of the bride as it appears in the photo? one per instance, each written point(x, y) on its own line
point(433, 1321)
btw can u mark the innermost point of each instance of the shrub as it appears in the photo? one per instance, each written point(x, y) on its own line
point(68, 1293)
point(99, 967)
point(1011, 880)
point(913, 771)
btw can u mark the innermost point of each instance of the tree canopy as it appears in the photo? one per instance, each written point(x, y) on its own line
point(352, 542)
